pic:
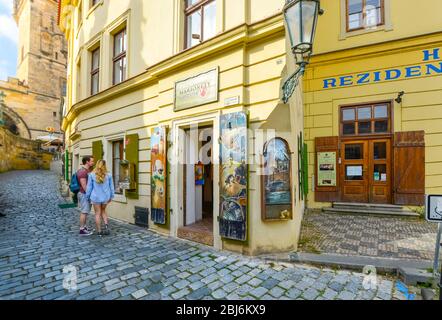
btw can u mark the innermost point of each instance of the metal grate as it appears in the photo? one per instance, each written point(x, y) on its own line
point(142, 216)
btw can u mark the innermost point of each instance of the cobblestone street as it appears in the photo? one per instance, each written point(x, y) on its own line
point(38, 240)
point(388, 237)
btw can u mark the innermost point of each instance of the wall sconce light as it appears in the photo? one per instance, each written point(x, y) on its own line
point(399, 97)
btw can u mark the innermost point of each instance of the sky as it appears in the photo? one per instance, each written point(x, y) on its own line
point(8, 40)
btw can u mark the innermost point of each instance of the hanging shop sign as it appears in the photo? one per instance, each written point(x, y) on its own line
point(430, 68)
point(158, 167)
point(233, 176)
point(196, 91)
point(326, 169)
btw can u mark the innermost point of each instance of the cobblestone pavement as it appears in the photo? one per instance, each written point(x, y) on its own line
point(38, 241)
point(405, 238)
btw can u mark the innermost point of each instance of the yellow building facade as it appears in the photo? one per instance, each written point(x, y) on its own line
point(372, 102)
point(148, 82)
point(236, 65)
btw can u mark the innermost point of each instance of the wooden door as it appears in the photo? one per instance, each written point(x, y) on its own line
point(409, 168)
point(354, 173)
point(380, 172)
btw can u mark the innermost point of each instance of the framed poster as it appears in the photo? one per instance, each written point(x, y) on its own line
point(199, 174)
point(233, 176)
point(159, 172)
point(276, 181)
point(326, 169)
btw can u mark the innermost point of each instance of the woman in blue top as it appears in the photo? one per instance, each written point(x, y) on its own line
point(100, 192)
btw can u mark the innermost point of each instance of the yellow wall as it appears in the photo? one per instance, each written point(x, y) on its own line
point(421, 108)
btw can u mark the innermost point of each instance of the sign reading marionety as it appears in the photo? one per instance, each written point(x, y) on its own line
point(198, 90)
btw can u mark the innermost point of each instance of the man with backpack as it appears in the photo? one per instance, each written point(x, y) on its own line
point(83, 202)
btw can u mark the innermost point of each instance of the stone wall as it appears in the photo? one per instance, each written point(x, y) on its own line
point(21, 154)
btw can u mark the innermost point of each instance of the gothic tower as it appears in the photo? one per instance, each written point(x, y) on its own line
point(42, 50)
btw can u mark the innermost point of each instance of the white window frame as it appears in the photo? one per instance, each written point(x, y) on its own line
point(387, 26)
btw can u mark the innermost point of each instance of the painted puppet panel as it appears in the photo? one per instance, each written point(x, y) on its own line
point(276, 180)
point(158, 183)
point(233, 176)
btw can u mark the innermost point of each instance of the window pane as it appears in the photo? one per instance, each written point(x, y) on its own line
point(354, 152)
point(209, 20)
point(380, 172)
point(354, 6)
point(120, 43)
point(348, 114)
point(380, 112)
point(373, 3)
point(373, 17)
point(381, 126)
point(94, 88)
point(349, 128)
point(191, 2)
point(364, 113)
point(380, 150)
point(194, 29)
point(96, 59)
point(354, 173)
point(354, 14)
point(119, 70)
point(364, 127)
point(355, 21)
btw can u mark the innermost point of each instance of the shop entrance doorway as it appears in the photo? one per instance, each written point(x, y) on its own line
point(365, 153)
point(198, 194)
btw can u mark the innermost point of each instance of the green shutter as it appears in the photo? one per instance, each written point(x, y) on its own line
point(66, 166)
point(132, 156)
point(97, 150)
point(305, 170)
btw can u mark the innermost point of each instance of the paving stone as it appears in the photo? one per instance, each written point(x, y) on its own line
point(276, 292)
point(310, 294)
point(293, 293)
point(258, 292)
point(200, 293)
point(180, 294)
point(346, 295)
point(219, 294)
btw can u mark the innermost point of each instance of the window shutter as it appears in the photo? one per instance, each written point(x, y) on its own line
point(66, 166)
point(131, 146)
point(409, 168)
point(328, 193)
point(97, 150)
point(305, 170)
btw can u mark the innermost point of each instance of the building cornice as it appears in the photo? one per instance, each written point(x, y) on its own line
point(378, 49)
point(237, 37)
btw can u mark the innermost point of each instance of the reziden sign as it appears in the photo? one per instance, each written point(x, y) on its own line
point(428, 69)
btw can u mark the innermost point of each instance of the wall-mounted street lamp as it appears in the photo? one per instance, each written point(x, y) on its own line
point(300, 17)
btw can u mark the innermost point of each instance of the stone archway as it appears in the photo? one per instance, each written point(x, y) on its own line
point(15, 123)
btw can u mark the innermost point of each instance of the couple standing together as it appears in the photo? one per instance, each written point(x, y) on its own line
point(97, 189)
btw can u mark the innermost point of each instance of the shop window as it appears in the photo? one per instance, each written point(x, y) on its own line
point(362, 14)
point(95, 71)
point(366, 119)
point(119, 57)
point(276, 181)
point(200, 21)
point(117, 156)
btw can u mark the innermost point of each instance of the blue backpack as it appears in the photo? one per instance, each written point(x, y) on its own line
point(74, 186)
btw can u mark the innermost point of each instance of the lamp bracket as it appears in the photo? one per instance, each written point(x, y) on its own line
point(292, 82)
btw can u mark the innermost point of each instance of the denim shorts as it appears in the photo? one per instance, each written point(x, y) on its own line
point(83, 204)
